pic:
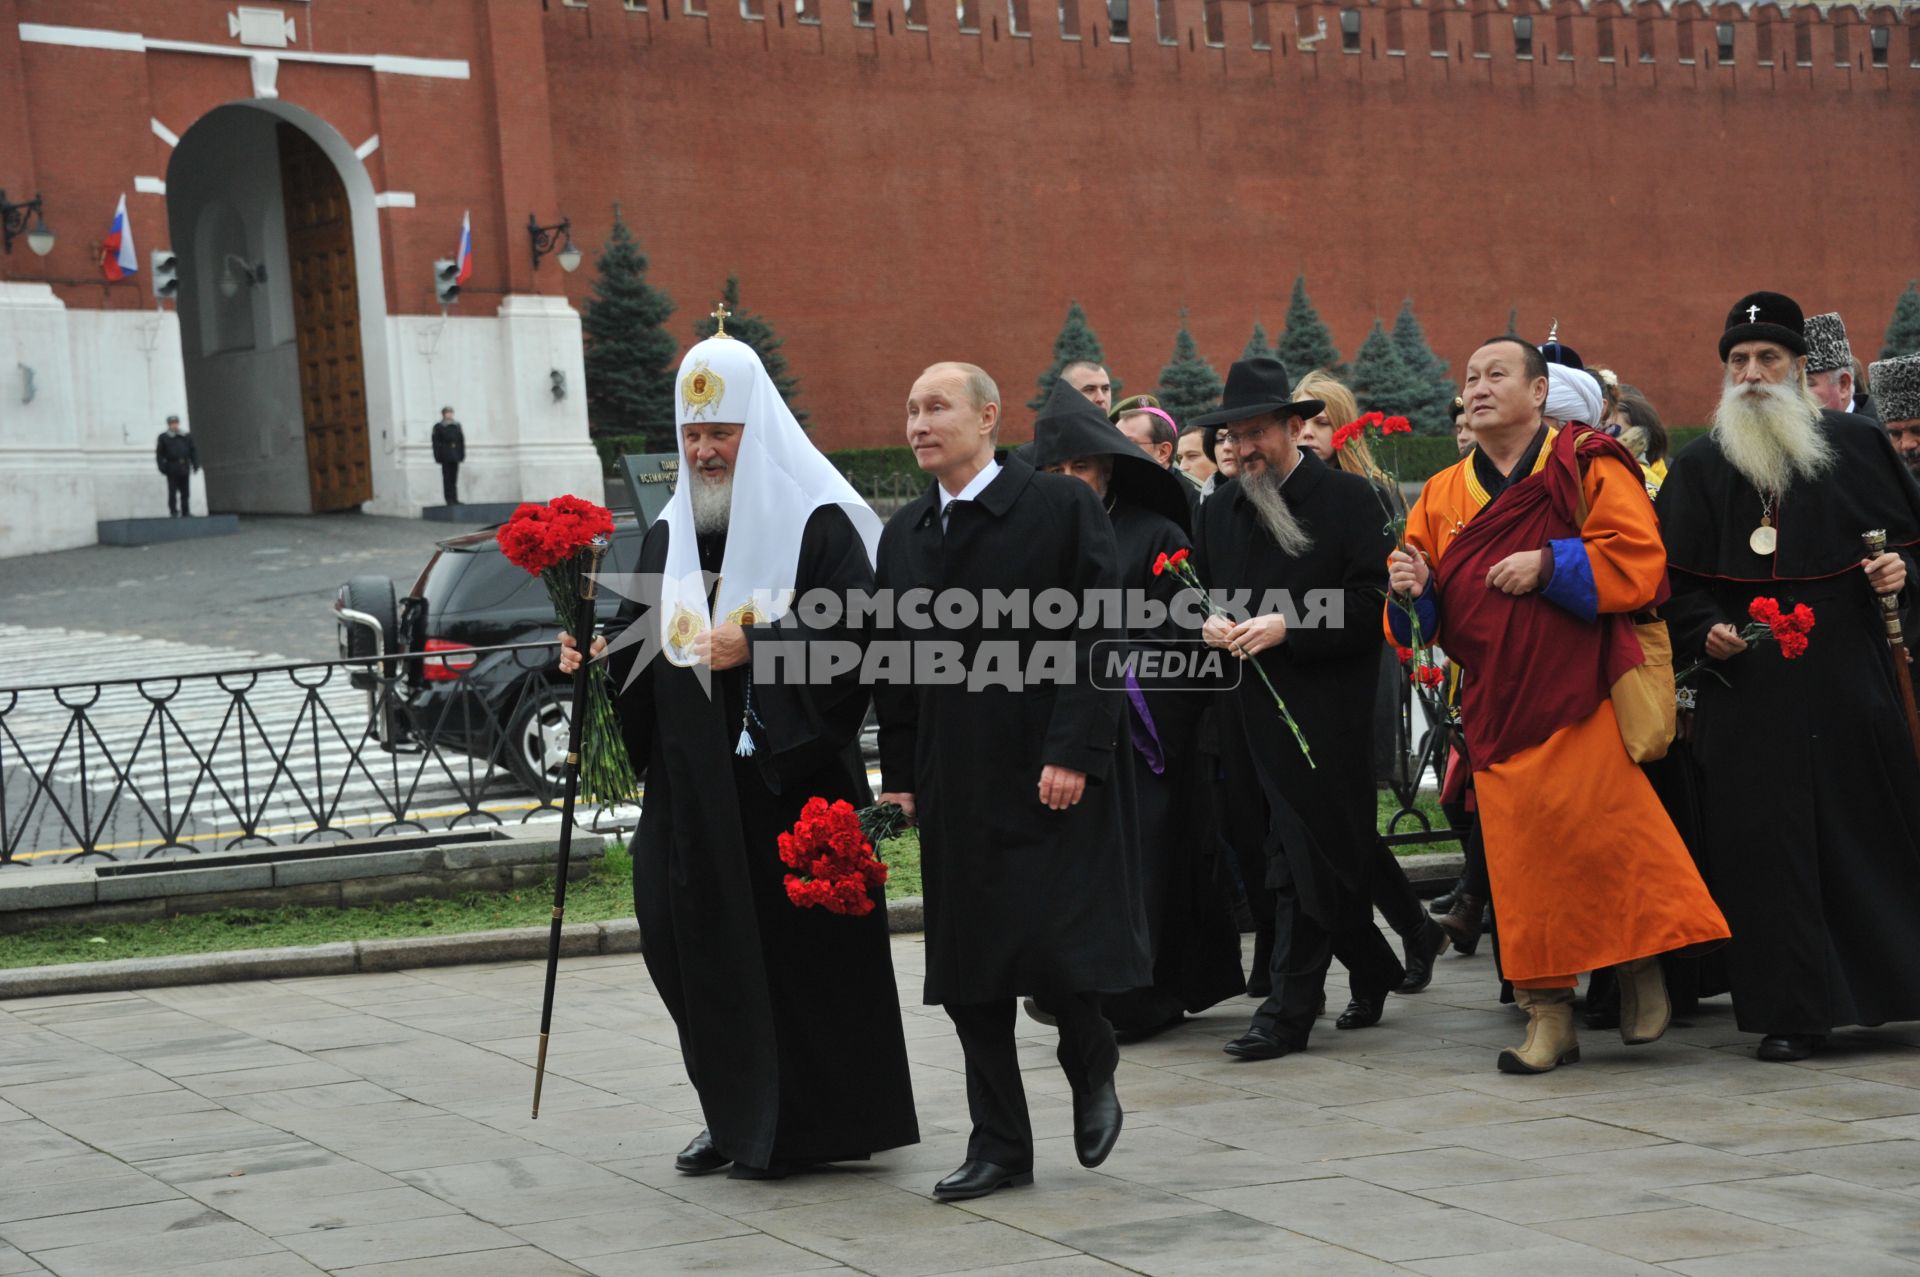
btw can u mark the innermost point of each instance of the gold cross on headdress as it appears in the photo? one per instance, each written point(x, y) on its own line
point(719, 316)
point(1753, 313)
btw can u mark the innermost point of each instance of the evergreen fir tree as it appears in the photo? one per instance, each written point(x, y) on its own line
point(629, 353)
point(1306, 344)
point(757, 333)
point(1382, 382)
point(1077, 342)
point(1188, 385)
point(1903, 333)
point(1258, 347)
point(1433, 414)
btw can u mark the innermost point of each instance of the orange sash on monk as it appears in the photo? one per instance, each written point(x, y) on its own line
point(1534, 667)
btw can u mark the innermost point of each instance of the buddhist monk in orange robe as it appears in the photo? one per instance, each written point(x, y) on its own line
point(1537, 607)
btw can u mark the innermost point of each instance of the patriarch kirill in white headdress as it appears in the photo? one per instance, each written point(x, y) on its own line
point(778, 480)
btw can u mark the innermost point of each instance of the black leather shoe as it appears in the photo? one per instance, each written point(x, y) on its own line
point(701, 1157)
point(1444, 904)
point(1096, 1124)
point(1037, 1015)
point(1261, 1044)
point(1782, 1048)
point(1421, 949)
point(1361, 1013)
point(977, 1179)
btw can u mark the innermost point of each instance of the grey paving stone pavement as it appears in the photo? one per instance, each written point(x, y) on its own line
point(377, 1125)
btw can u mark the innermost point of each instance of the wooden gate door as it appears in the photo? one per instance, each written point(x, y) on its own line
point(326, 320)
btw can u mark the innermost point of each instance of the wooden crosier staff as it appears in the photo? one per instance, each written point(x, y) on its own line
point(583, 626)
point(1876, 543)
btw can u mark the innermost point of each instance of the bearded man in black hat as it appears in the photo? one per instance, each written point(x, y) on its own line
point(1196, 948)
point(1290, 523)
point(1809, 784)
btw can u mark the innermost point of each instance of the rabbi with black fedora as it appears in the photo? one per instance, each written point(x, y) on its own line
point(1291, 524)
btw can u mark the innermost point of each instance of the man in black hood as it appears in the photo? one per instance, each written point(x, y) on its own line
point(1195, 945)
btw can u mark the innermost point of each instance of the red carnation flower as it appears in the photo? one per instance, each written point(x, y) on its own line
point(1178, 557)
point(1160, 564)
point(1764, 610)
point(1404, 653)
point(1429, 676)
point(1802, 617)
point(836, 869)
point(1396, 426)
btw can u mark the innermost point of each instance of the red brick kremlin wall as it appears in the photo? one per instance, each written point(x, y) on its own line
point(891, 195)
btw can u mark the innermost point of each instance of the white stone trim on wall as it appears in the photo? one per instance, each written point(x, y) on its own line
point(134, 42)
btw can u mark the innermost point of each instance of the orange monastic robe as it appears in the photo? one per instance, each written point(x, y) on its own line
point(1587, 869)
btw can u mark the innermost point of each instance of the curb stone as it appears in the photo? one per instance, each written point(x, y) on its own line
point(580, 939)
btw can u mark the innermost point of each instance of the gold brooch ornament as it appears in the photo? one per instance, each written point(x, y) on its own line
point(681, 631)
point(701, 389)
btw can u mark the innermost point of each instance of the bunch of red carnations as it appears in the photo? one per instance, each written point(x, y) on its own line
point(540, 537)
point(554, 542)
point(1770, 622)
point(831, 863)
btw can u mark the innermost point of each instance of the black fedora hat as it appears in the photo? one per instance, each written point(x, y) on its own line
point(1765, 317)
point(1254, 387)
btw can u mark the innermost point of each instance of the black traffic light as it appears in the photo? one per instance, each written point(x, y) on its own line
point(446, 281)
point(166, 274)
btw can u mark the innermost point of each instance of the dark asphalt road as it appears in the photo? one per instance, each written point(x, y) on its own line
point(267, 589)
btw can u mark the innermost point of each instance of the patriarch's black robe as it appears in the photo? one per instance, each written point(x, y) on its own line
point(1809, 793)
point(1020, 899)
point(789, 1018)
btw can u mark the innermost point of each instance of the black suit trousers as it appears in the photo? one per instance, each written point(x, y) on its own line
point(1303, 951)
point(996, 1100)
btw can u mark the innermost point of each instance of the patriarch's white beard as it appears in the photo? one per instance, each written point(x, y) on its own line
point(712, 503)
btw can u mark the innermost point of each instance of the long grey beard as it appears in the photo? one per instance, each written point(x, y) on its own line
point(1772, 434)
point(1276, 515)
point(712, 504)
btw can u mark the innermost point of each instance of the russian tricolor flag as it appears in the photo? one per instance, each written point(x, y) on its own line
point(117, 258)
point(465, 256)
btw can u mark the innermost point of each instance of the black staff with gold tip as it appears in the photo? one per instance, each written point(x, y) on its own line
point(582, 624)
point(1876, 543)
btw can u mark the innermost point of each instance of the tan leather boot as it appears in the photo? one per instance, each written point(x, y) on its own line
point(1550, 1039)
point(1644, 1009)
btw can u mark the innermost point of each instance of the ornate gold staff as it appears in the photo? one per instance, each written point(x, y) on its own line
point(1876, 543)
point(582, 627)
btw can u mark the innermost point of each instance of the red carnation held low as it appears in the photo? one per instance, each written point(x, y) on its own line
point(831, 862)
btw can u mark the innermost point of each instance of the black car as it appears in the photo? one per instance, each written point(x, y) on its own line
point(509, 709)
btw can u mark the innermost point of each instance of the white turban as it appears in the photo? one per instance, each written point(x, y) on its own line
point(779, 480)
point(1574, 395)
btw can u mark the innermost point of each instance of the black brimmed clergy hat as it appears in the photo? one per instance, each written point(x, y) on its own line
point(1256, 387)
point(1772, 317)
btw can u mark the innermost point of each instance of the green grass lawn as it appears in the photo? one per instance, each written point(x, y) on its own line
point(1427, 805)
point(604, 894)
